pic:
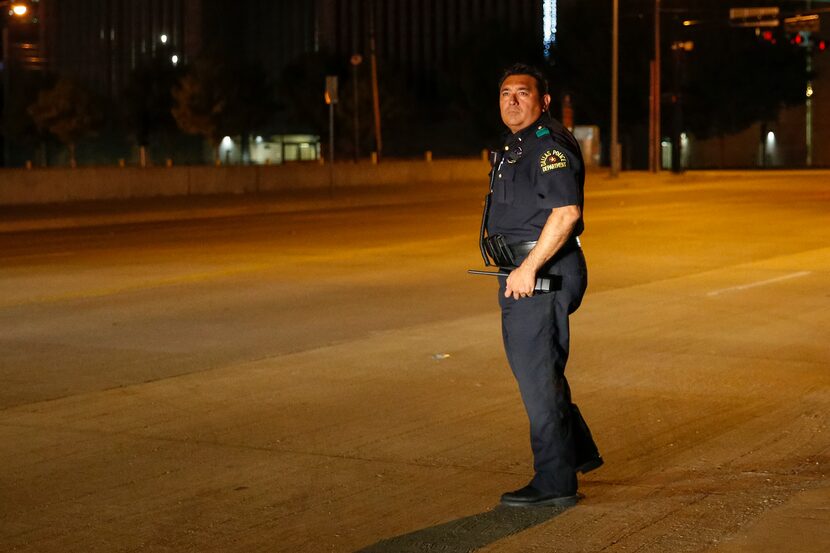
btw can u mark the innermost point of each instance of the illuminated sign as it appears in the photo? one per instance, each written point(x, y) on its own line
point(548, 24)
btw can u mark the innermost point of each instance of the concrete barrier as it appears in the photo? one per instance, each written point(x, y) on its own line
point(58, 185)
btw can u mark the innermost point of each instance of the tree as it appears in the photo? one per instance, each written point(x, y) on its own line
point(301, 92)
point(251, 104)
point(147, 102)
point(735, 79)
point(216, 98)
point(66, 111)
point(27, 137)
point(301, 88)
point(198, 106)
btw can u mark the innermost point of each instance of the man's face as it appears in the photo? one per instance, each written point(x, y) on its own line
point(520, 102)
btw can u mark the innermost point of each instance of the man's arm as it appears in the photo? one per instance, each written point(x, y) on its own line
point(555, 233)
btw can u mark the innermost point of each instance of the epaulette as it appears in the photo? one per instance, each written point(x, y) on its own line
point(560, 135)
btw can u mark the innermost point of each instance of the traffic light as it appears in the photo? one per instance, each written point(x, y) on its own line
point(805, 39)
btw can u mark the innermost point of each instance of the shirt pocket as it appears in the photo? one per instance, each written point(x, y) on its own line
point(503, 187)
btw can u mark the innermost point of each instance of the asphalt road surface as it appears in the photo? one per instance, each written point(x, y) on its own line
point(321, 375)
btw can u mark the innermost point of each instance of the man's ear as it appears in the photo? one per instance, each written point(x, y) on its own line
point(545, 103)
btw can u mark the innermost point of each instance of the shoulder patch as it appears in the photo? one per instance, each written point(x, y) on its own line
point(542, 132)
point(552, 159)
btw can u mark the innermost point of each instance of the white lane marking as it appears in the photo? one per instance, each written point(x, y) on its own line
point(759, 283)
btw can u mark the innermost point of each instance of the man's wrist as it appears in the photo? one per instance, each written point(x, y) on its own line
point(532, 263)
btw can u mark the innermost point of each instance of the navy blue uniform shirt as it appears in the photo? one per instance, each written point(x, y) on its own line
point(541, 168)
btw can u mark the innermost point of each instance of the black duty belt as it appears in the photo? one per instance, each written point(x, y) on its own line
point(521, 249)
point(508, 255)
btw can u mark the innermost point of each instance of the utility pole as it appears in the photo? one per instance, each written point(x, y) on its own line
point(656, 151)
point(808, 123)
point(375, 93)
point(6, 92)
point(331, 100)
point(356, 60)
point(615, 69)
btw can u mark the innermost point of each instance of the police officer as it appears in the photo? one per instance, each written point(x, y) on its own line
point(532, 219)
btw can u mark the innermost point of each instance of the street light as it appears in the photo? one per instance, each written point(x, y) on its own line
point(17, 10)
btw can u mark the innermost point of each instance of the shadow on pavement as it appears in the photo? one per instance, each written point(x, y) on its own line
point(467, 534)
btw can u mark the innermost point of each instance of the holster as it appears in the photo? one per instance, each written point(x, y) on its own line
point(498, 250)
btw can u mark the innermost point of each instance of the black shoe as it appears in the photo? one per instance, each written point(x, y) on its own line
point(531, 497)
point(590, 464)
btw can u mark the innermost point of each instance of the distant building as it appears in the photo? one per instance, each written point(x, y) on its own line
point(419, 36)
point(797, 137)
point(99, 43)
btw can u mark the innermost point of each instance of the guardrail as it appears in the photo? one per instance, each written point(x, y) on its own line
point(57, 185)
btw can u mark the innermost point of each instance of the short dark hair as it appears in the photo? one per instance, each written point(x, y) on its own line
point(525, 69)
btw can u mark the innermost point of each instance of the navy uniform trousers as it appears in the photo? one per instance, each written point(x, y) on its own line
point(536, 340)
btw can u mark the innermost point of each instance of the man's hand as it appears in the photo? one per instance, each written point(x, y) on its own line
point(557, 229)
point(521, 282)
